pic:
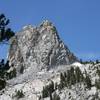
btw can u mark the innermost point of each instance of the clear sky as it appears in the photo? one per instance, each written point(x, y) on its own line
point(77, 21)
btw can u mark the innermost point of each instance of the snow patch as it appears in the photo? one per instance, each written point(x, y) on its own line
point(77, 64)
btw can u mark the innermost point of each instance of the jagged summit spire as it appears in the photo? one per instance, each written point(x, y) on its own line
point(40, 47)
point(44, 23)
point(47, 23)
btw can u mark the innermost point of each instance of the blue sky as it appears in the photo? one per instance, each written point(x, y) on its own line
point(77, 21)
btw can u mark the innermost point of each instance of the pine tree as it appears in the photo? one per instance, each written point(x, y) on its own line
point(78, 75)
point(62, 80)
point(48, 90)
point(97, 61)
point(88, 82)
point(68, 77)
point(45, 92)
point(5, 32)
point(72, 76)
point(51, 87)
point(65, 75)
point(2, 63)
point(6, 66)
point(2, 84)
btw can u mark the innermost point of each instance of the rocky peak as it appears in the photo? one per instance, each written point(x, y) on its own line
point(39, 48)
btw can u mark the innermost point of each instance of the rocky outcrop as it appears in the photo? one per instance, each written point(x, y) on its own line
point(39, 47)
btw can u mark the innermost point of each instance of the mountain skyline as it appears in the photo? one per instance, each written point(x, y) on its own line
point(77, 22)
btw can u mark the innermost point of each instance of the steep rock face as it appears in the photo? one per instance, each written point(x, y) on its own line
point(39, 47)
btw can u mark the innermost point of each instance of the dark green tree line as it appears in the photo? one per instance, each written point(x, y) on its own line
point(5, 34)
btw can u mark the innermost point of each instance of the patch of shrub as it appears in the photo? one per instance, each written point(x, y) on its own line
point(97, 84)
point(56, 97)
point(2, 74)
point(48, 90)
point(54, 29)
point(72, 77)
point(2, 84)
point(11, 74)
point(19, 94)
point(88, 82)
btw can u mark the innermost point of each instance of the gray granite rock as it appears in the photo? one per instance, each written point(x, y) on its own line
point(39, 47)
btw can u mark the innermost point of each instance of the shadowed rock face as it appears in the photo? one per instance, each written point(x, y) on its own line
point(39, 47)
